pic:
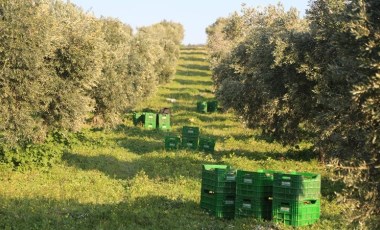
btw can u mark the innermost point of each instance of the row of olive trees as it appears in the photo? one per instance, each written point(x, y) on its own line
point(287, 76)
point(60, 66)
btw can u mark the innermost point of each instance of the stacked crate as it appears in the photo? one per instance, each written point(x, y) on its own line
point(150, 120)
point(212, 106)
point(218, 190)
point(190, 136)
point(254, 194)
point(138, 118)
point(172, 142)
point(296, 198)
point(163, 121)
point(207, 144)
point(202, 106)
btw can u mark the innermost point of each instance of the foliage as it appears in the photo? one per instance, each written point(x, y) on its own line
point(133, 66)
point(35, 156)
point(60, 67)
point(168, 36)
point(25, 41)
point(346, 72)
point(75, 67)
point(286, 76)
point(47, 68)
point(113, 93)
point(260, 78)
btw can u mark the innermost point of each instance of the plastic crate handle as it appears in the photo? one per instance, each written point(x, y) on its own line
point(247, 175)
point(209, 192)
point(285, 207)
point(310, 201)
point(311, 177)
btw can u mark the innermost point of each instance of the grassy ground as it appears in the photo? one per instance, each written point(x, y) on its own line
point(124, 179)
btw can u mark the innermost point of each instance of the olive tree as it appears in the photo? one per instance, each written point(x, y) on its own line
point(168, 37)
point(346, 68)
point(75, 67)
point(113, 92)
point(26, 31)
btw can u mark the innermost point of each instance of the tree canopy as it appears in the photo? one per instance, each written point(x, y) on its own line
point(60, 67)
point(316, 77)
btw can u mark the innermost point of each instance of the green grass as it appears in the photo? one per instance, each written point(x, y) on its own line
point(124, 179)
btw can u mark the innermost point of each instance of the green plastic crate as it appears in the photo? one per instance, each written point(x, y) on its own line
point(296, 213)
point(202, 106)
point(163, 121)
point(228, 187)
point(190, 142)
point(190, 131)
point(255, 183)
point(207, 144)
point(164, 126)
point(213, 200)
point(218, 204)
point(255, 192)
point(297, 186)
point(226, 214)
point(255, 178)
point(163, 118)
point(148, 116)
point(260, 208)
point(150, 120)
point(218, 173)
point(138, 118)
point(150, 125)
point(212, 106)
point(172, 142)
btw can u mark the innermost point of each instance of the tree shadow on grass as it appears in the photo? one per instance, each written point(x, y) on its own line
point(196, 67)
point(148, 212)
point(330, 188)
point(193, 82)
point(206, 90)
point(164, 167)
point(192, 73)
point(178, 108)
point(138, 145)
point(219, 127)
point(194, 59)
point(299, 155)
point(193, 53)
point(208, 118)
point(133, 132)
point(204, 117)
point(179, 96)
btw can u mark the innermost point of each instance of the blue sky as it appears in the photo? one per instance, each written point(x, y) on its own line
point(194, 15)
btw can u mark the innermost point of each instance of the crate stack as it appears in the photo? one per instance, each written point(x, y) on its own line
point(207, 144)
point(163, 121)
point(190, 140)
point(150, 120)
point(212, 106)
point(172, 142)
point(137, 118)
point(207, 106)
point(218, 190)
point(296, 198)
point(202, 106)
point(190, 136)
point(254, 194)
